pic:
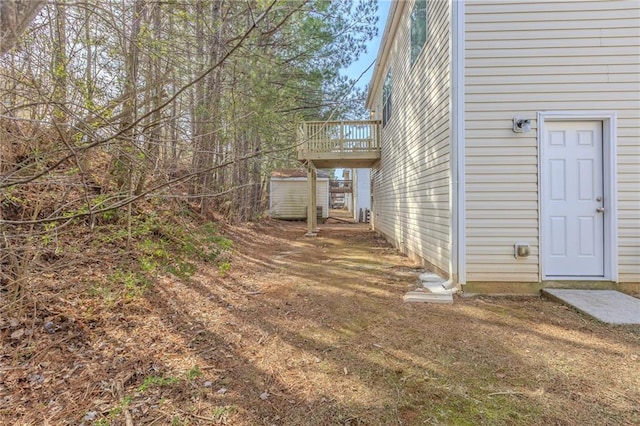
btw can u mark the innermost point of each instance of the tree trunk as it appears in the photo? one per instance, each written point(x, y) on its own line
point(207, 108)
point(60, 67)
point(124, 160)
point(153, 77)
point(15, 17)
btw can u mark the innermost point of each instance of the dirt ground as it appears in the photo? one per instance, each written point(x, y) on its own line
point(311, 331)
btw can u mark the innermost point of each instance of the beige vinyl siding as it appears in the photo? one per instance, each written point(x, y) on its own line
point(522, 58)
point(288, 197)
point(411, 196)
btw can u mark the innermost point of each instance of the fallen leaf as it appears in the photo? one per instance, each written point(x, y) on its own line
point(17, 334)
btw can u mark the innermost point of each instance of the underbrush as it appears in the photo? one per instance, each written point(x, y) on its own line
point(128, 255)
point(155, 245)
point(64, 286)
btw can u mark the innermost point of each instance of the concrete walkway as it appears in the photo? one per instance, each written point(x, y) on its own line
point(609, 306)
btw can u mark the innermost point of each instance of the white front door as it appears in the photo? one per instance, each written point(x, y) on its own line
point(573, 197)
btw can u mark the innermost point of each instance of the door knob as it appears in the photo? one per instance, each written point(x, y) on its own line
point(600, 209)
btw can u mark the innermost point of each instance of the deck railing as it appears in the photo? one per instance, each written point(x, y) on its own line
point(340, 186)
point(339, 137)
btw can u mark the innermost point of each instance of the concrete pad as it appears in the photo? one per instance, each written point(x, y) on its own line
point(430, 277)
point(425, 297)
point(438, 288)
point(609, 306)
point(432, 290)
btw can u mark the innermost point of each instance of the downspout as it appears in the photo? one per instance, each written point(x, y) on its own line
point(458, 272)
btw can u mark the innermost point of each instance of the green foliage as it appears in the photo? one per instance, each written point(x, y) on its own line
point(224, 267)
point(160, 247)
point(49, 233)
point(155, 381)
point(132, 284)
point(221, 412)
point(95, 203)
point(215, 245)
point(182, 269)
point(103, 291)
point(11, 195)
point(177, 421)
point(117, 410)
point(193, 373)
point(121, 284)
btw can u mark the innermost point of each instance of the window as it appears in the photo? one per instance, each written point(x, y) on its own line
point(386, 99)
point(418, 28)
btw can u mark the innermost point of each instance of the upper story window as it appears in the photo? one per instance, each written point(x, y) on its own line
point(418, 28)
point(386, 99)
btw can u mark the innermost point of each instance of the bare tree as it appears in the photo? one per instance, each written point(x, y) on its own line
point(15, 17)
point(107, 104)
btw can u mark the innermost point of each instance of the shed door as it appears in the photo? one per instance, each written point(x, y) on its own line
point(572, 173)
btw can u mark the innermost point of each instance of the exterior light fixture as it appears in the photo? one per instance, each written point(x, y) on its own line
point(521, 125)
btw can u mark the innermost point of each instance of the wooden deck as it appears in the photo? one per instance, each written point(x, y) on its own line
point(340, 186)
point(331, 144)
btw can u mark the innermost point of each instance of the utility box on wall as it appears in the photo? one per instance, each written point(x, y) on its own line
point(521, 250)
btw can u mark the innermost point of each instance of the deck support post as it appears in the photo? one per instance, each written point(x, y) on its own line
point(312, 220)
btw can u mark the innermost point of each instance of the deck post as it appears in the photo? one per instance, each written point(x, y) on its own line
point(311, 201)
point(314, 198)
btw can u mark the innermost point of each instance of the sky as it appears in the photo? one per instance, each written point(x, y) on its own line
point(368, 58)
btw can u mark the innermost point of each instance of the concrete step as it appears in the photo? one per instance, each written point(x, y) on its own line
point(427, 297)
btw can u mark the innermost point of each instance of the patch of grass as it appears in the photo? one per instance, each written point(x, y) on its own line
point(182, 269)
point(154, 248)
point(177, 421)
point(224, 267)
point(116, 411)
point(163, 246)
point(102, 291)
point(156, 381)
point(193, 373)
point(221, 413)
point(465, 410)
point(132, 284)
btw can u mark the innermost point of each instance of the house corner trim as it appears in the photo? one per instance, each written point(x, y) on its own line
point(458, 226)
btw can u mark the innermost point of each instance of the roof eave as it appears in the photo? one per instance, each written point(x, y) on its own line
point(383, 52)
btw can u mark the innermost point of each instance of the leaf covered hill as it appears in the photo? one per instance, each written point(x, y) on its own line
point(117, 117)
point(132, 133)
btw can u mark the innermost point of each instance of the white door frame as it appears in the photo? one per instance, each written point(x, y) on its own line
point(609, 138)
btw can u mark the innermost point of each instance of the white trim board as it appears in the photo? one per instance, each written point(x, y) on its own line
point(609, 144)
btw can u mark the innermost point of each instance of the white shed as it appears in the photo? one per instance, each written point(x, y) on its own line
point(288, 194)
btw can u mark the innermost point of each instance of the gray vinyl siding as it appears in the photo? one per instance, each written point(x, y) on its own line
point(411, 195)
point(288, 197)
point(525, 57)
